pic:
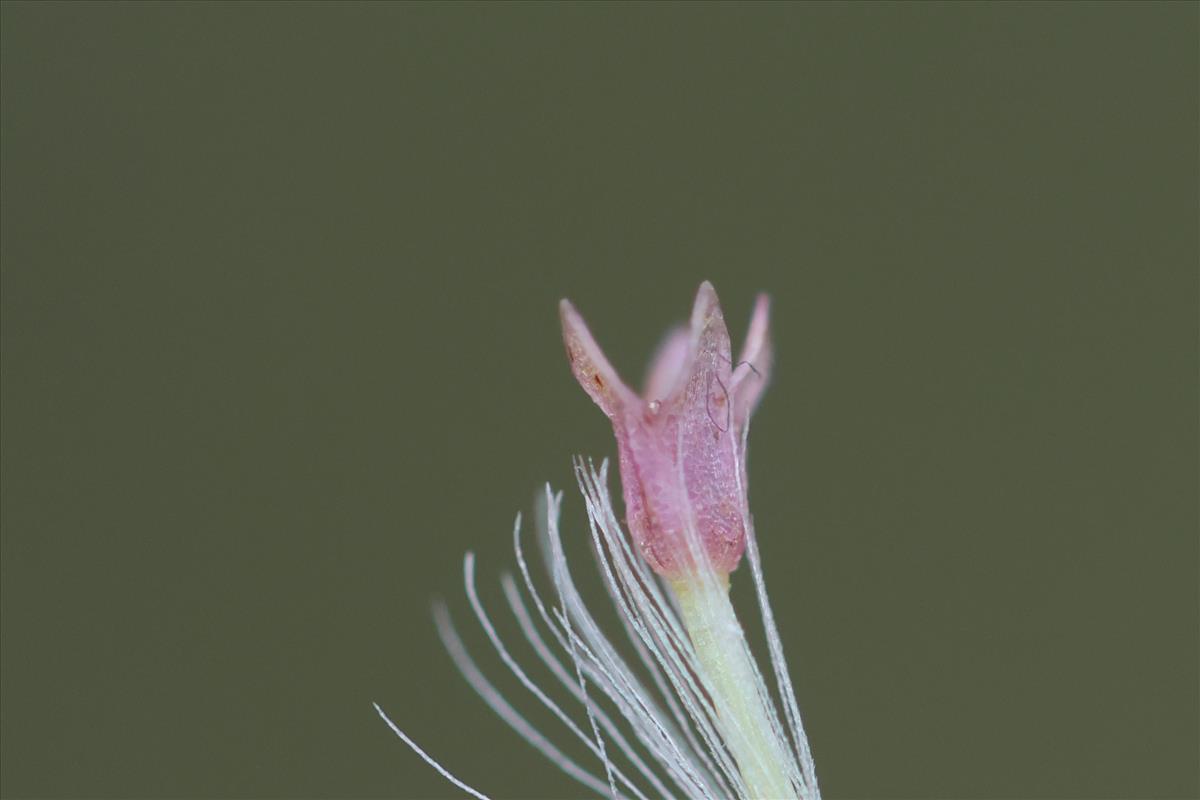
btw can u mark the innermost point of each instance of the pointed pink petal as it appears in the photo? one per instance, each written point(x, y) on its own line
point(708, 453)
point(668, 364)
point(591, 368)
point(705, 307)
point(709, 362)
point(754, 366)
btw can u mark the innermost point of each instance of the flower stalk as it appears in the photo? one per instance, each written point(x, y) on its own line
point(731, 678)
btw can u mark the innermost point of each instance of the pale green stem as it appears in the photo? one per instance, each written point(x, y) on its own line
point(724, 661)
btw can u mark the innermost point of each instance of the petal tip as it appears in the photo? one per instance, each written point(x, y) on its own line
point(754, 365)
point(706, 296)
point(567, 313)
point(590, 367)
point(706, 307)
point(758, 336)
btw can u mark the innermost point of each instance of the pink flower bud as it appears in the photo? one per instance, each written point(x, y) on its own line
point(681, 444)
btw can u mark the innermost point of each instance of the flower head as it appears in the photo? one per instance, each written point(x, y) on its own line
point(692, 716)
point(681, 444)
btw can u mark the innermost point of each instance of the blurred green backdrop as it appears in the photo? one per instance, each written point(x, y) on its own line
point(280, 343)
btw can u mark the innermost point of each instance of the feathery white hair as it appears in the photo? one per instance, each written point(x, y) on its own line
point(668, 739)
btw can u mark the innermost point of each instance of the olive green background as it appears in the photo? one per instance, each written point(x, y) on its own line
point(280, 344)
